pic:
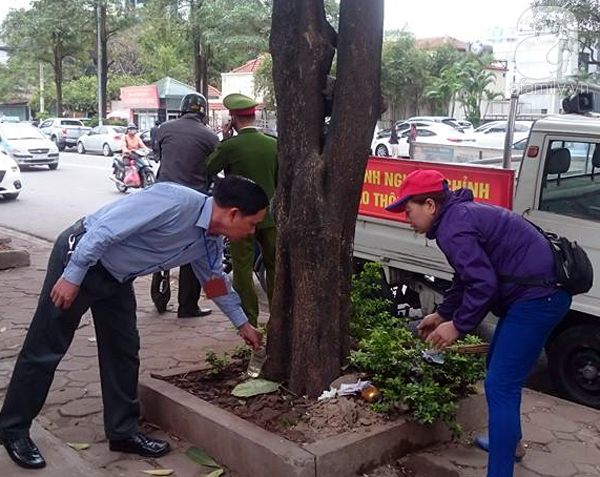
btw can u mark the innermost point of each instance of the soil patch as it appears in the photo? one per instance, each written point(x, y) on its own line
point(298, 419)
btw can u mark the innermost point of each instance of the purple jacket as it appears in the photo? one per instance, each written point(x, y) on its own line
point(482, 243)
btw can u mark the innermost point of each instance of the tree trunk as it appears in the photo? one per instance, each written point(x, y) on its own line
point(204, 66)
point(196, 45)
point(197, 64)
point(320, 181)
point(58, 74)
point(104, 63)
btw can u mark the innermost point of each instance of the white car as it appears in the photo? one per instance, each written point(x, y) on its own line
point(103, 139)
point(27, 145)
point(492, 134)
point(10, 177)
point(437, 133)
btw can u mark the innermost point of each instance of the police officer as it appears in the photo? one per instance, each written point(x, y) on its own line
point(250, 154)
point(182, 146)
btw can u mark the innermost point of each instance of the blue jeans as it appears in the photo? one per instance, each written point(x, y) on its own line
point(515, 349)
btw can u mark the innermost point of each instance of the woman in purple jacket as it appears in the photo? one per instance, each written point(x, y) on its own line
point(483, 244)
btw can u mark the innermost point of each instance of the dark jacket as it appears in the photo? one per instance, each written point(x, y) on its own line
point(483, 243)
point(394, 136)
point(183, 146)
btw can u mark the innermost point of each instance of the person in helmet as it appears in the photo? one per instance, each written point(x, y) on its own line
point(131, 141)
point(182, 146)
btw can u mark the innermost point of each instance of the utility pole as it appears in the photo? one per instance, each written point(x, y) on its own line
point(99, 66)
point(42, 104)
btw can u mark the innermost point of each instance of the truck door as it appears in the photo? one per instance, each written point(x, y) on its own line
point(567, 202)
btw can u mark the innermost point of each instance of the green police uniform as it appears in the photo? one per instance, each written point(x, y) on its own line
point(250, 154)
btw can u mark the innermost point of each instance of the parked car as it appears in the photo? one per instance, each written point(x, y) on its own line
point(10, 119)
point(146, 139)
point(435, 133)
point(104, 139)
point(27, 145)
point(10, 177)
point(439, 119)
point(492, 134)
point(64, 132)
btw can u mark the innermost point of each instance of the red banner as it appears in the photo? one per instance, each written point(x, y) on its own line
point(140, 97)
point(384, 176)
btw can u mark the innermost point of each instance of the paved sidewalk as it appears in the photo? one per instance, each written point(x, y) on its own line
point(73, 411)
point(563, 439)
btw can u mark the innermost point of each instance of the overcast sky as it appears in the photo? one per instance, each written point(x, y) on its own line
point(466, 20)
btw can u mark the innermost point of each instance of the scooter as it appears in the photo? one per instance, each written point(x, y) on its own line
point(126, 166)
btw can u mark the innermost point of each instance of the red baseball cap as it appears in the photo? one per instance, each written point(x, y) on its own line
point(422, 181)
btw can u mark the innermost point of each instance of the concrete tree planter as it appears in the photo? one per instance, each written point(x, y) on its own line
point(12, 258)
point(254, 452)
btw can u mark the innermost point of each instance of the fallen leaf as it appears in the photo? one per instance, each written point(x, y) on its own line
point(215, 473)
point(78, 447)
point(159, 472)
point(255, 387)
point(200, 457)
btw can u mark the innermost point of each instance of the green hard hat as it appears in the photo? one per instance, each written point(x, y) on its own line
point(240, 104)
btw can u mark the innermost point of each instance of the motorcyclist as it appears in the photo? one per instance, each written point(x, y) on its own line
point(131, 141)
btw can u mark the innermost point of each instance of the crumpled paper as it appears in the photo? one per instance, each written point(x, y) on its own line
point(345, 390)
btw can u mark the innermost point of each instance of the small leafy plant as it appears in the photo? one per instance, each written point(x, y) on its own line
point(391, 355)
point(218, 364)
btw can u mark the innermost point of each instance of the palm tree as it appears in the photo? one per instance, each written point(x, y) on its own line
point(445, 88)
point(476, 80)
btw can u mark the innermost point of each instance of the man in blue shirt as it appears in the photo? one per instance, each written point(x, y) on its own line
point(92, 266)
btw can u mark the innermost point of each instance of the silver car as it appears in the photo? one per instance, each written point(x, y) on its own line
point(104, 139)
point(27, 145)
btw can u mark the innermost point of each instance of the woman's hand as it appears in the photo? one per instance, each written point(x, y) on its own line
point(443, 336)
point(429, 324)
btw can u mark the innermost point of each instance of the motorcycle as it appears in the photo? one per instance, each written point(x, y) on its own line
point(132, 170)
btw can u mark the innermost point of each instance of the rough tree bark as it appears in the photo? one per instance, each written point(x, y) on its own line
point(320, 181)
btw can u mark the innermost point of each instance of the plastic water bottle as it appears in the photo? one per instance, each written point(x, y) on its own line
point(257, 361)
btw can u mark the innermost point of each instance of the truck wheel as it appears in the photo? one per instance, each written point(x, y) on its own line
point(381, 151)
point(61, 147)
point(574, 363)
point(11, 196)
point(53, 167)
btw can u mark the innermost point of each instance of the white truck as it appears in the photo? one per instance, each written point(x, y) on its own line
point(557, 186)
point(64, 132)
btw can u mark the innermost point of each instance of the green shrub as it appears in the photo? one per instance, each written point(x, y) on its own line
point(392, 357)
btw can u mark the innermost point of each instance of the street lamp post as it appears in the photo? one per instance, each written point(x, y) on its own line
point(100, 62)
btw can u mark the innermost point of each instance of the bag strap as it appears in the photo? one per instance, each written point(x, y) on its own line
point(532, 281)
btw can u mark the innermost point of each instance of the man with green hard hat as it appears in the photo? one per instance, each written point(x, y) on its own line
point(250, 154)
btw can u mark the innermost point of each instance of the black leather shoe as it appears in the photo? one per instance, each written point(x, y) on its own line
point(25, 453)
point(141, 445)
point(196, 314)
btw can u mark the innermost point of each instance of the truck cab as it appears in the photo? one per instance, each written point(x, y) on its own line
point(558, 189)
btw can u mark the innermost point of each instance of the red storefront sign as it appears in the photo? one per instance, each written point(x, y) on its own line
point(140, 97)
point(384, 176)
